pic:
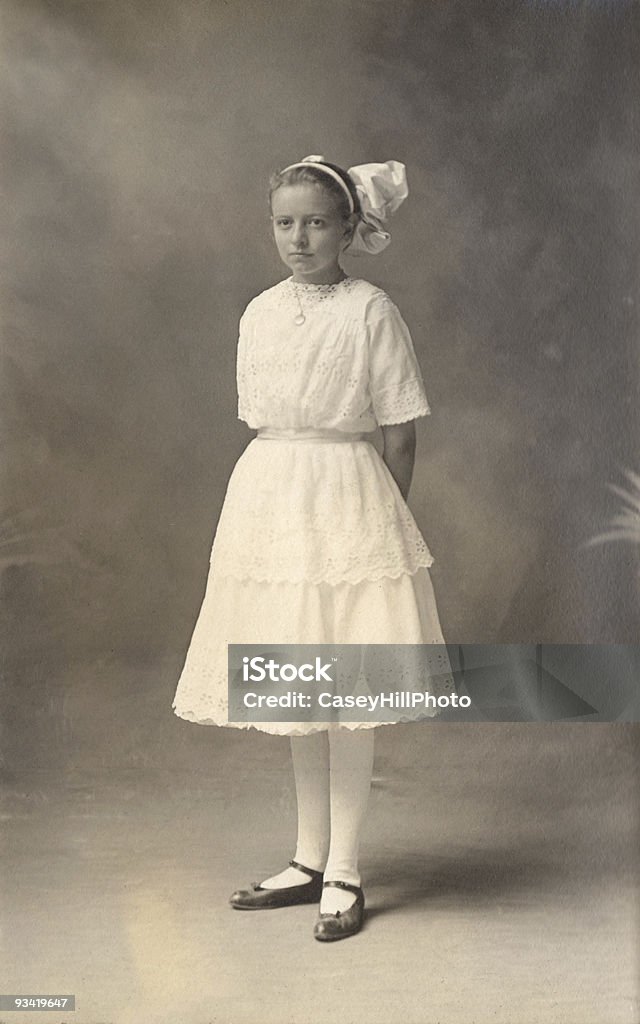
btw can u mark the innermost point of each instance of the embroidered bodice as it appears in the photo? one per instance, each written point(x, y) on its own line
point(334, 356)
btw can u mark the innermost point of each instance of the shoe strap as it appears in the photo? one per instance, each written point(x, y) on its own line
point(307, 871)
point(344, 885)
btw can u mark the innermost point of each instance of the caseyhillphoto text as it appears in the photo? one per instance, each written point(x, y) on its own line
point(366, 702)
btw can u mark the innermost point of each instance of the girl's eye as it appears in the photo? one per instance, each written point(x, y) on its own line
point(283, 222)
point(317, 222)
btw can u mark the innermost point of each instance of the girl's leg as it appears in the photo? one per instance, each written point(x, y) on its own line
point(310, 755)
point(351, 766)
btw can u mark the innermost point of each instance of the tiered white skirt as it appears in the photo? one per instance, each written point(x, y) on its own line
point(315, 545)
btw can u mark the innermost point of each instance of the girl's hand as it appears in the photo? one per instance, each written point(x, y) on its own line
point(399, 452)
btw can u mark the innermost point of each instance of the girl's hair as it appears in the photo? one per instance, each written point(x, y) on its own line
point(312, 174)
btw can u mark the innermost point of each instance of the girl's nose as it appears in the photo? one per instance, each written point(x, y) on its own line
point(300, 234)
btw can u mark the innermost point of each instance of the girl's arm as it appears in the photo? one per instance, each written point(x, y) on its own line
point(399, 452)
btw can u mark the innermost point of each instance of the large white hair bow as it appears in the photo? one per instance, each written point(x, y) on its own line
point(381, 189)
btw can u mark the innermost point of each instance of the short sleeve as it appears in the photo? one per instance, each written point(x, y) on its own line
point(242, 370)
point(395, 381)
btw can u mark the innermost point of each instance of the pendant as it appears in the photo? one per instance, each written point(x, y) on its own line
point(300, 319)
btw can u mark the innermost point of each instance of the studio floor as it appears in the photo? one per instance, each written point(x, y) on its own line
point(500, 865)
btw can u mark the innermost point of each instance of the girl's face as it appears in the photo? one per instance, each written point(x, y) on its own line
point(309, 232)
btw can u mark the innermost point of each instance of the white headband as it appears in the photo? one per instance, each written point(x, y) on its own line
point(380, 188)
point(319, 162)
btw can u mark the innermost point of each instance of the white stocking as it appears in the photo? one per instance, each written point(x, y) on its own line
point(310, 755)
point(351, 766)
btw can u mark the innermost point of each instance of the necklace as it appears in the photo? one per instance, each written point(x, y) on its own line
point(321, 289)
point(300, 318)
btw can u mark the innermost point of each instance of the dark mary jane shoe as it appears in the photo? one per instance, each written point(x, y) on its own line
point(343, 923)
point(259, 898)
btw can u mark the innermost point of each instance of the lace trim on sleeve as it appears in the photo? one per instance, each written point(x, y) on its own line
point(400, 403)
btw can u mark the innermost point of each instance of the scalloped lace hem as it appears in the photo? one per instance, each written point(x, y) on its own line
point(332, 579)
point(302, 729)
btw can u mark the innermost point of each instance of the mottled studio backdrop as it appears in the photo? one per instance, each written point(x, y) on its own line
point(138, 138)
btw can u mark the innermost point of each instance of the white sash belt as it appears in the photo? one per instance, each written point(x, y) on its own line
point(327, 435)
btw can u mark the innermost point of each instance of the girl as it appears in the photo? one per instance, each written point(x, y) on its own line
point(315, 542)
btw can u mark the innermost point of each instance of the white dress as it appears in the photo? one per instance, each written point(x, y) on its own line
point(315, 544)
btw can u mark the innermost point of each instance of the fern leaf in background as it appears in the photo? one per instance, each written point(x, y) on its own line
point(625, 525)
